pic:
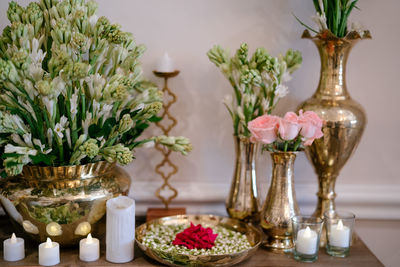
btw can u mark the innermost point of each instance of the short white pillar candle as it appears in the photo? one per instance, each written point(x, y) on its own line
point(339, 235)
point(307, 241)
point(120, 229)
point(165, 64)
point(13, 248)
point(89, 249)
point(49, 253)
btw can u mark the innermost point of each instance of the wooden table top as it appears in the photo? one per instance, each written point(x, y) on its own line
point(360, 255)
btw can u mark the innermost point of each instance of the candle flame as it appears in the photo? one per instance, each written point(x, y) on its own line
point(340, 225)
point(307, 233)
point(89, 239)
point(13, 239)
point(49, 243)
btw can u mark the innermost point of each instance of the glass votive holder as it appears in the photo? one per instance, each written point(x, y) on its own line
point(306, 235)
point(339, 229)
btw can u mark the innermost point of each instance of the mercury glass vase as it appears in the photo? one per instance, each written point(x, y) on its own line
point(64, 203)
point(242, 202)
point(344, 119)
point(280, 204)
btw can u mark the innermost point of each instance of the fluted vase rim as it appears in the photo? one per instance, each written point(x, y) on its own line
point(327, 35)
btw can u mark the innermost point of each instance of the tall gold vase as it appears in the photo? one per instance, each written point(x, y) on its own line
point(344, 119)
point(242, 202)
point(281, 204)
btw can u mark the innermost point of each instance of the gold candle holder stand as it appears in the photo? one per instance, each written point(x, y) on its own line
point(155, 213)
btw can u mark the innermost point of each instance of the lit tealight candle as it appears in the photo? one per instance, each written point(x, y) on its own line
point(13, 248)
point(49, 253)
point(89, 249)
point(307, 241)
point(165, 64)
point(339, 235)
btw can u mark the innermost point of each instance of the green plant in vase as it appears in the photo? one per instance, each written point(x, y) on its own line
point(73, 103)
point(258, 82)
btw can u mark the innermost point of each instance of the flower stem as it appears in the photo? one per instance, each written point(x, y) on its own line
point(286, 146)
point(297, 144)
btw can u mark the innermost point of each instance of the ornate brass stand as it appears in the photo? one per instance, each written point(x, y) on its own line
point(154, 213)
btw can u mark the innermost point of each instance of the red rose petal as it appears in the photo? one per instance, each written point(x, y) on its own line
point(196, 237)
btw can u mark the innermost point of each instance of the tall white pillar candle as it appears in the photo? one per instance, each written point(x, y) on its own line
point(307, 241)
point(120, 229)
point(49, 253)
point(339, 235)
point(89, 249)
point(13, 248)
point(165, 64)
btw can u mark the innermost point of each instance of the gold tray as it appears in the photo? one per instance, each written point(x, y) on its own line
point(253, 235)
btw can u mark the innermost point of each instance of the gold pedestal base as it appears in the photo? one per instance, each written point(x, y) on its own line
point(278, 245)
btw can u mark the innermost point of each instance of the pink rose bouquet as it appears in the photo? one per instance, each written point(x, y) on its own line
point(289, 133)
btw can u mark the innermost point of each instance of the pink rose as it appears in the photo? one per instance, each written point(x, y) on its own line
point(289, 126)
point(311, 126)
point(264, 128)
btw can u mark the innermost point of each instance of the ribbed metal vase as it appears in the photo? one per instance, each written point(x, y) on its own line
point(63, 203)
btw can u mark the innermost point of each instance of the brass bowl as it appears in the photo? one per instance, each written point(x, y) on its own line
point(253, 236)
point(63, 203)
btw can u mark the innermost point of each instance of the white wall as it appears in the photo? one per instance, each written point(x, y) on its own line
point(368, 184)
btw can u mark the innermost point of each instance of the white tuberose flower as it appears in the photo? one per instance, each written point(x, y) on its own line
point(58, 129)
point(281, 91)
point(9, 148)
point(74, 105)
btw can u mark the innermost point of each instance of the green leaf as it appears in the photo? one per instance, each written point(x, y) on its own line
point(42, 158)
point(155, 119)
point(9, 155)
point(95, 131)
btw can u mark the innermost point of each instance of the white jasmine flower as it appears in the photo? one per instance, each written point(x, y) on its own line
point(9, 148)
